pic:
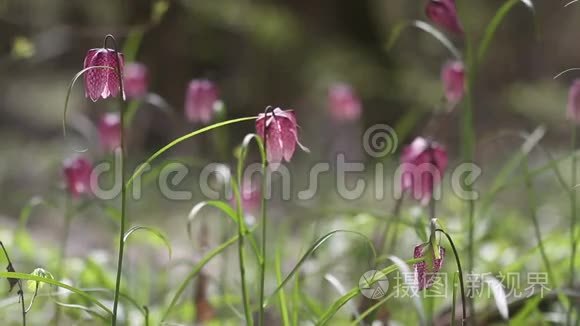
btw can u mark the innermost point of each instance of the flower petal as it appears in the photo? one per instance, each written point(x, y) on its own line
point(95, 79)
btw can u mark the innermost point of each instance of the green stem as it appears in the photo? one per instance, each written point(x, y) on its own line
point(533, 214)
point(573, 242)
point(10, 269)
point(263, 213)
point(123, 185)
point(460, 271)
point(241, 231)
point(468, 137)
point(68, 214)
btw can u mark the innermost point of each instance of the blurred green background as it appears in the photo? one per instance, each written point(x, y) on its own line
point(281, 53)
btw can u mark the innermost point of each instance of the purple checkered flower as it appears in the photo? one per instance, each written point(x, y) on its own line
point(102, 82)
point(425, 273)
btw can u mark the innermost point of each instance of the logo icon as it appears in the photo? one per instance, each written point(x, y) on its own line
point(373, 284)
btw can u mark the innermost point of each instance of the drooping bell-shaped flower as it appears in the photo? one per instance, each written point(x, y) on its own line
point(426, 272)
point(423, 164)
point(344, 104)
point(280, 130)
point(201, 96)
point(102, 82)
point(77, 175)
point(444, 14)
point(573, 112)
point(110, 131)
point(453, 79)
point(136, 80)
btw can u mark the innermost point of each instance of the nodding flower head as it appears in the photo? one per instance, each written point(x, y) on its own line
point(423, 164)
point(425, 272)
point(102, 82)
point(574, 102)
point(110, 131)
point(280, 130)
point(344, 104)
point(444, 14)
point(136, 80)
point(77, 174)
point(453, 78)
point(200, 99)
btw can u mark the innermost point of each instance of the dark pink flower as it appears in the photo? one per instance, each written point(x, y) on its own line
point(102, 82)
point(77, 174)
point(444, 14)
point(425, 274)
point(199, 100)
point(136, 80)
point(110, 131)
point(453, 78)
point(574, 102)
point(281, 131)
point(423, 164)
point(344, 104)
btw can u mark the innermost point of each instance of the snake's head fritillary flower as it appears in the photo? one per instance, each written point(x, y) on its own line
point(201, 96)
point(344, 104)
point(423, 164)
point(574, 102)
point(136, 80)
point(426, 272)
point(110, 131)
point(453, 78)
point(77, 174)
point(102, 82)
point(280, 130)
point(444, 14)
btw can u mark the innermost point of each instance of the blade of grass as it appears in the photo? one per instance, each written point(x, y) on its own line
point(281, 294)
point(398, 29)
point(206, 259)
point(491, 29)
point(310, 251)
point(153, 231)
point(330, 312)
point(84, 295)
point(178, 140)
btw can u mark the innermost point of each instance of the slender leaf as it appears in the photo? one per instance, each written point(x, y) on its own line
point(498, 295)
point(491, 29)
point(194, 272)
point(313, 249)
point(23, 276)
point(398, 29)
point(181, 139)
point(153, 231)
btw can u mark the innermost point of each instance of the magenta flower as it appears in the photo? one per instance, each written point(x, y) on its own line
point(453, 78)
point(425, 275)
point(110, 131)
point(344, 104)
point(199, 101)
point(102, 82)
point(281, 131)
point(423, 163)
point(574, 102)
point(77, 174)
point(444, 14)
point(136, 80)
